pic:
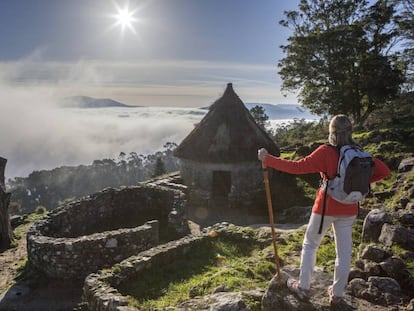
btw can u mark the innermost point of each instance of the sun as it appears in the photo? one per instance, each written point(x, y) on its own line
point(125, 18)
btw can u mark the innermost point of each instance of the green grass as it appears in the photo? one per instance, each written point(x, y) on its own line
point(410, 267)
point(402, 190)
point(388, 184)
point(290, 249)
point(309, 189)
point(287, 155)
point(20, 231)
point(242, 267)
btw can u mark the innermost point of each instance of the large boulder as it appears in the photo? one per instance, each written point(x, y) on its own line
point(374, 253)
point(406, 165)
point(395, 235)
point(373, 223)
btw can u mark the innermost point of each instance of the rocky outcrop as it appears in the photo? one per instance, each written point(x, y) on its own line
point(381, 274)
point(278, 298)
point(373, 223)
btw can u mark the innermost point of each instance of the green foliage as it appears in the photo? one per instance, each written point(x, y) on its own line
point(388, 141)
point(52, 188)
point(339, 56)
point(409, 263)
point(405, 22)
point(308, 186)
point(301, 132)
point(20, 231)
point(261, 118)
point(401, 191)
point(410, 267)
point(159, 168)
point(40, 210)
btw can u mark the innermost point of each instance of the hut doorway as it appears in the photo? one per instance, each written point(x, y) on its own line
point(221, 183)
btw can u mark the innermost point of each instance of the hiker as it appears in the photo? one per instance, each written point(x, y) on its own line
point(324, 160)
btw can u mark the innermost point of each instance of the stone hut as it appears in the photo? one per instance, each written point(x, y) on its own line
point(219, 156)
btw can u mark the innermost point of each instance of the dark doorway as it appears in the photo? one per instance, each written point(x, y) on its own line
point(221, 183)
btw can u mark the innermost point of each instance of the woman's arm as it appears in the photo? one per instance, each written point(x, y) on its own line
point(313, 163)
point(381, 171)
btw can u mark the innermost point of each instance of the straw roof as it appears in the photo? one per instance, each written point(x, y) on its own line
point(226, 134)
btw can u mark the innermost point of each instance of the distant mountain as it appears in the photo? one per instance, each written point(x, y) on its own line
point(284, 111)
point(89, 102)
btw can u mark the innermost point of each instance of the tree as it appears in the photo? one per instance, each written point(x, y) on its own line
point(261, 118)
point(159, 167)
point(405, 21)
point(339, 57)
point(6, 233)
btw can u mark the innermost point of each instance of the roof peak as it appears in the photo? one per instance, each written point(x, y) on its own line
point(229, 88)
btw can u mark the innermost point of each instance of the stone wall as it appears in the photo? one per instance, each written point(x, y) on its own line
point(101, 291)
point(100, 230)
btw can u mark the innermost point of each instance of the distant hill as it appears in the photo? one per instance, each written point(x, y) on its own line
point(284, 111)
point(89, 102)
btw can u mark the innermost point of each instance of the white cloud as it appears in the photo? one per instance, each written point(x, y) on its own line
point(153, 82)
point(36, 134)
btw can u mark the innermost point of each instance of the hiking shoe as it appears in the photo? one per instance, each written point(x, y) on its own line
point(338, 303)
point(293, 286)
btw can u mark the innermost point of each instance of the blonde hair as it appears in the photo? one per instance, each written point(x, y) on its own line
point(340, 131)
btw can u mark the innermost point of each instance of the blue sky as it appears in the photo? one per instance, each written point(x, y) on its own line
point(179, 53)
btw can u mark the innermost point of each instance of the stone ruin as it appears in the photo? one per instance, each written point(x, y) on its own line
point(103, 291)
point(96, 232)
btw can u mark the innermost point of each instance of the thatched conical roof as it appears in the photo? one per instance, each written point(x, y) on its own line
point(226, 134)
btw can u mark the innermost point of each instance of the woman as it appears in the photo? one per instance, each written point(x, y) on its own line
point(324, 160)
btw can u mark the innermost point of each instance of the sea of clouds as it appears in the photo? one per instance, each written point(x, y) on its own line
point(36, 133)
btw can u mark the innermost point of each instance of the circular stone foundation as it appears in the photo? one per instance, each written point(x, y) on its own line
point(102, 229)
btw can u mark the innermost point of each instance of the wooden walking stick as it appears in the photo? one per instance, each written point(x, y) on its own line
point(271, 220)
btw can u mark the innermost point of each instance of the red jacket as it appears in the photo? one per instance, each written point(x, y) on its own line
point(324, 160)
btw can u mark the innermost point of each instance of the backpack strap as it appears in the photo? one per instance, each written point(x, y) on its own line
point(326, 181)
point(324, 205)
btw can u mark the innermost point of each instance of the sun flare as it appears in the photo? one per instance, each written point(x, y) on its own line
point(125, 18)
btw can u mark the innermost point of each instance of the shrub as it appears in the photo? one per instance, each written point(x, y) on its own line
point(40, 210)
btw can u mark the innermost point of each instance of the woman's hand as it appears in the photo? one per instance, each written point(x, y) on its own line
point(261, 154)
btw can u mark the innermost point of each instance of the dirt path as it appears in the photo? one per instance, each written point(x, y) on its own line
point(33, 294)
point(11, 260)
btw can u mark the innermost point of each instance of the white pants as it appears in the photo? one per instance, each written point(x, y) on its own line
point(342, 227)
